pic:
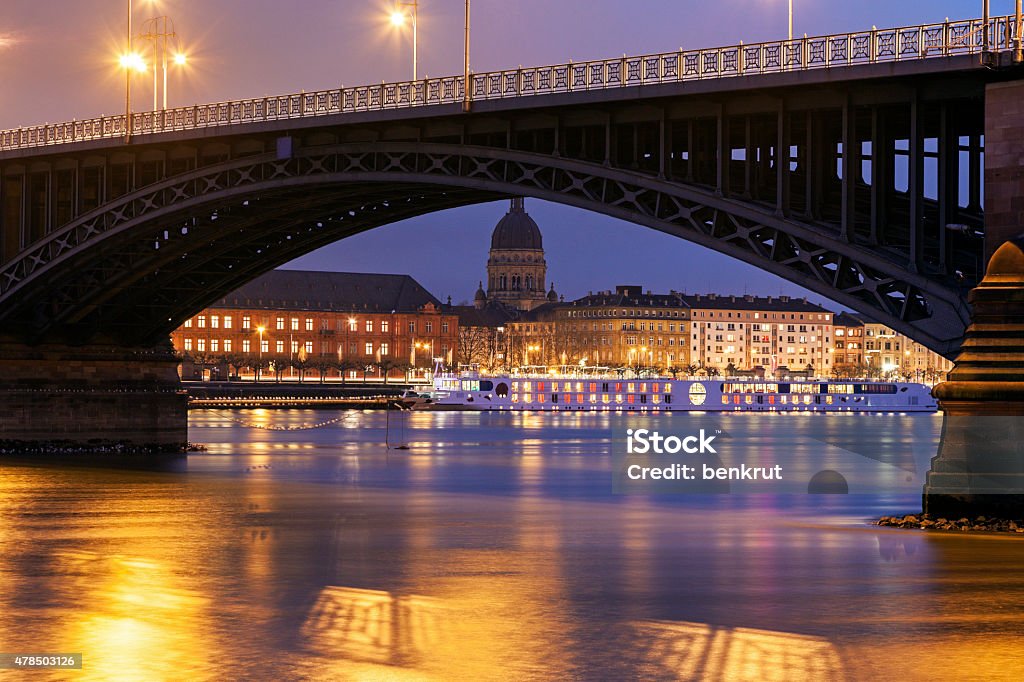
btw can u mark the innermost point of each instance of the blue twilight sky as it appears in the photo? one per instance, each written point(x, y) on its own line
point(58, 62)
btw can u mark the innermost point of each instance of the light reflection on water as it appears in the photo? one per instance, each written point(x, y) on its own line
point(492, 549)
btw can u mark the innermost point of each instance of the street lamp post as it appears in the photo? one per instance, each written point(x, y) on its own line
point(128, 79)
point(984, 29)
point(398, 19)
point(259, 360)
point(157, 31)
point(126, 63)
point(465, 82)
point(791, 20)
point(1018, 25)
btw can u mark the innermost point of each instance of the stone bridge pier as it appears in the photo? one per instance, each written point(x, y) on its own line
point(72, 399)
point(980, 465)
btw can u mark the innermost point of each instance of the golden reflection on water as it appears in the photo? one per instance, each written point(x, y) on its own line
point(697, 651)
point(137, 611)
point(250, 575)
point(376, 626)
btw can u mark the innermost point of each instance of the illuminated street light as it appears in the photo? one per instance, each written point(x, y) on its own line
point(398, 17)
point(133, 62)
point(158, 31)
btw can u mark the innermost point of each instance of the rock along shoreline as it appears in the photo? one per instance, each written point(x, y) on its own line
point(963, 524)
point(70, 448)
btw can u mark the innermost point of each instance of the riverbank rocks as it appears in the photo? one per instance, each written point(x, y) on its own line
point(95, 446)
point(927, 522)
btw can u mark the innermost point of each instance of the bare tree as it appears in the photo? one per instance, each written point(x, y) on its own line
point(388, 365)
point(301, 363)
point(323, 364)
point(566, 344)
point(344, 366)
point(473, 345)
point(235, 363)
point(279, 363)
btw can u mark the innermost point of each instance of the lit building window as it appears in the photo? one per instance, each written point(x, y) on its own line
point(215, 321)
point(227, 345)
point(352, 325)
point(201, 345)
point(309, 324)
point(246, 322)
point(430, 327)
point(188, 344)
point(214, 345)
point(264, 346)
point(246, 346)
point(201, 321)
point(444, 327)
point(369, 349)
point(309, 347)
point(369, 326)
point(295, 346)
point(280, 346)
point(188, 323)
point(227, 322)
point(383, 349)
point(280, 324)
point(385, 326)
point(295, 324)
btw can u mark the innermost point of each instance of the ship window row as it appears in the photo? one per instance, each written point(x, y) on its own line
point(782, 399)
point(471, 385)
point(592, 398)
point(590, 386)
point(809, 388)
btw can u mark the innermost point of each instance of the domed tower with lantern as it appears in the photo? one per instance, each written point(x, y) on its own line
point(516, 269)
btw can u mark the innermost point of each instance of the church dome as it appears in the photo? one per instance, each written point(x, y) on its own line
point(552, 296)
point(480, 294)
point(516, 230)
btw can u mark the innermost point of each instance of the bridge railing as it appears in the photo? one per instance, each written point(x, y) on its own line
point(800, 54)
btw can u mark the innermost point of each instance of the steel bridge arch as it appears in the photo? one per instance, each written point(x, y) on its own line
point(135, 267)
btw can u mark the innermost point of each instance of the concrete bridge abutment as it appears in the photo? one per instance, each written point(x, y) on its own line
point(65, 399)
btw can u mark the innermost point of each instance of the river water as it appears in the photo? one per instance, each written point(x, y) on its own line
point(493, 548)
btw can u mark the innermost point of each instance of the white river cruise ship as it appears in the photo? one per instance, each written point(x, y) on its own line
point(472, 391)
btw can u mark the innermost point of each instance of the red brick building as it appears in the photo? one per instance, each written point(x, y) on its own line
point(292, 322)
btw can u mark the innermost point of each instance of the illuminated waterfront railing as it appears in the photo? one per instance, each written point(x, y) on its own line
point(926, 41)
